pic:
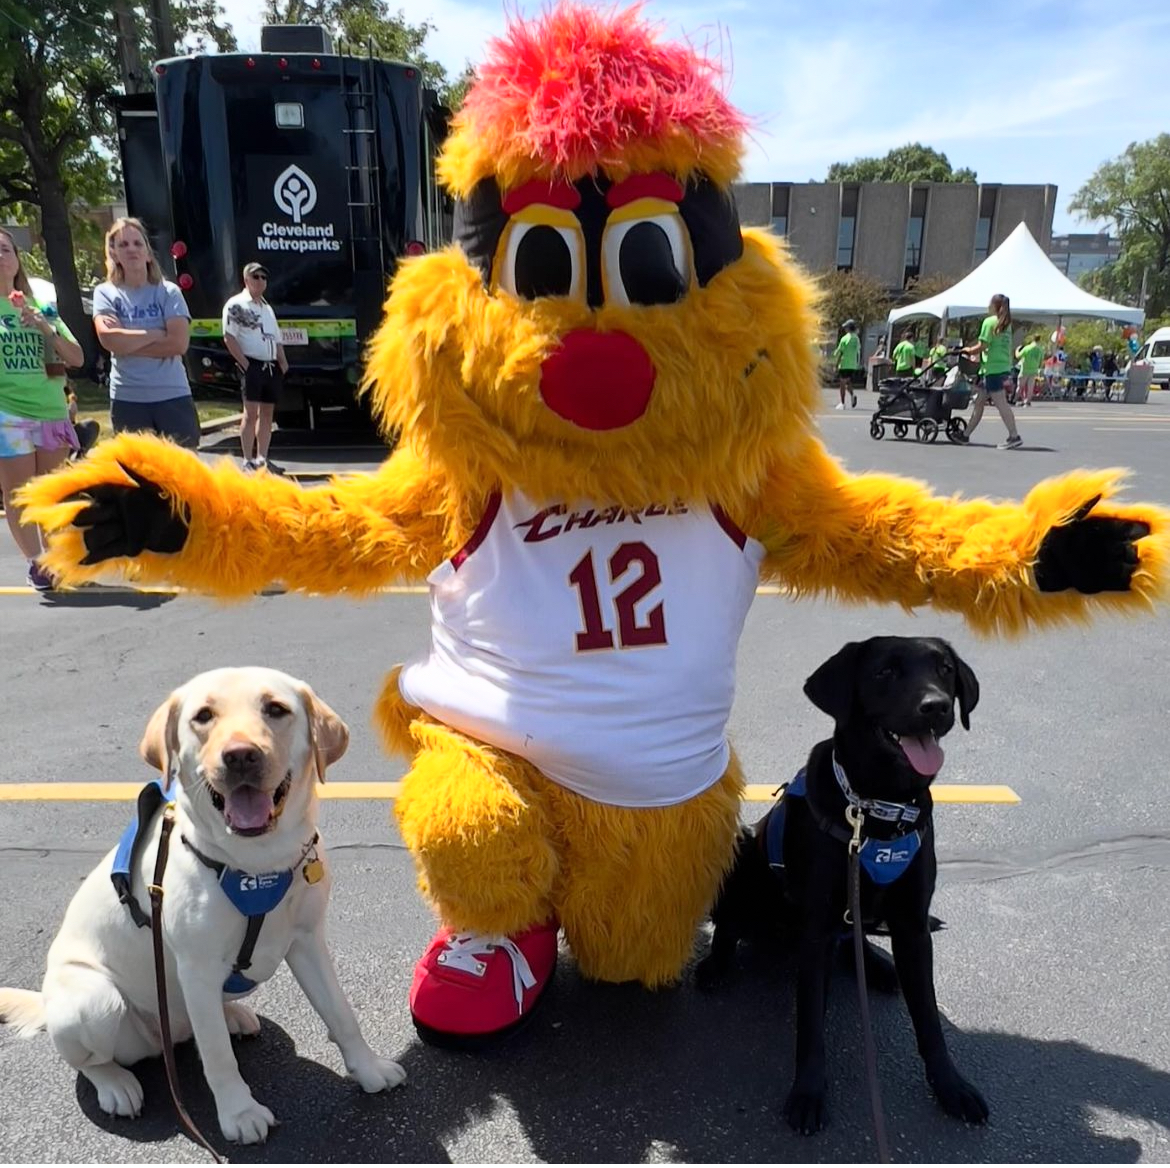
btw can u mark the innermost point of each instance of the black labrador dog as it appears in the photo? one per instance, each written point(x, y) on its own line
point(892, 699)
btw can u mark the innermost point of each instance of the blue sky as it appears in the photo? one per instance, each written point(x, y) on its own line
point(1024, 91)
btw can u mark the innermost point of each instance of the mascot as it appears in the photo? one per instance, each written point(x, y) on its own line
point(604, 394)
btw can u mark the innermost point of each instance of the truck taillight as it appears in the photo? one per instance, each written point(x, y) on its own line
point(186, 280)
point(160, 69)
point(283, 62)
point(414, 248)
point(316, 63)
point(178, 249)
point(251, 63)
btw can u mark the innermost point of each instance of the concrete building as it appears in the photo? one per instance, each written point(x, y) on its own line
point(1076, 254)
point(897, 231)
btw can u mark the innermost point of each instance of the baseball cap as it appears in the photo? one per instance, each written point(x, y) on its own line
point(255, 269)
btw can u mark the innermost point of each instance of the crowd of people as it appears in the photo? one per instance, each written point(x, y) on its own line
point(142, 324)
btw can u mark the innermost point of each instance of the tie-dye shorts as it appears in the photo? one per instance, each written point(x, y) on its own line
point(25, 435)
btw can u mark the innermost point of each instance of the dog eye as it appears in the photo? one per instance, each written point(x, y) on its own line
point(887, 674)
point(945, 667)
point(203, 715)
point(276, 710)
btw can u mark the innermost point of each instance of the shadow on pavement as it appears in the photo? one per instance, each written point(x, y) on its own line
point(609, 1074)
point(99, 596)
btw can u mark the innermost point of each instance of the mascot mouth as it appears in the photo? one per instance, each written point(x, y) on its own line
point(598, 381)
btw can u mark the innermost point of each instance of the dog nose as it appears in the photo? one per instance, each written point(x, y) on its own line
point(242, 756)
point(933, 707)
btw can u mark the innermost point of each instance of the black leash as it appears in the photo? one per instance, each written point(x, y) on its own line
point(856, 817)
point(160, 976)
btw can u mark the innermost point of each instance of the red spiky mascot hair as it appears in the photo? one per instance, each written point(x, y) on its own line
point(578, 91)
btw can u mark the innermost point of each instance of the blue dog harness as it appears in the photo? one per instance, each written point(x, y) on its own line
point(884, 861)
point(253, 895)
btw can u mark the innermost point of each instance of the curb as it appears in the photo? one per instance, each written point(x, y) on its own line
point(217, 424)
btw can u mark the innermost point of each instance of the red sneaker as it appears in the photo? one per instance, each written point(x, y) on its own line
point(469, 987)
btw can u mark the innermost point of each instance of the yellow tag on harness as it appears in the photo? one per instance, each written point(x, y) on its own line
point(314, 870)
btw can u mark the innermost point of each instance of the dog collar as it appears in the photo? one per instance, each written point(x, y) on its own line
point(899, 814)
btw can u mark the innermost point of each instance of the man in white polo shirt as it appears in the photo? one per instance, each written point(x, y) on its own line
point(252, 337)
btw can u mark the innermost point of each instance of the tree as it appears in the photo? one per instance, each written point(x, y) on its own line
point(359, 23)
point(910, 163)
point(1132, 193)
point(851, 296)
point(58, 71)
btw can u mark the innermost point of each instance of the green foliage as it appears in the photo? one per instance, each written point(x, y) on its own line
point(910, 163)
point(1082, 335)
point(1132, 192)
point(850, 296)
point(357, 24)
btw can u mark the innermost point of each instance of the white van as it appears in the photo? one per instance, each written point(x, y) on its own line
point(1156, 350)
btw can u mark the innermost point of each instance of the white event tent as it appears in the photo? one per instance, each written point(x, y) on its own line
point(1035, 286)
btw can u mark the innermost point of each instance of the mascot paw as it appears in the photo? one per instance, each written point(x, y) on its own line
point(1089, 553)
point(124, 520)
point(469, 988)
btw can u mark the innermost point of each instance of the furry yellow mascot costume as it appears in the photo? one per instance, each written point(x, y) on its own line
point(605, 393)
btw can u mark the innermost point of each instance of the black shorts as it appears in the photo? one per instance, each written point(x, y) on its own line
point(262, 382)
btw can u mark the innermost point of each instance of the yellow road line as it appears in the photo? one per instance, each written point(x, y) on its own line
point(131, 590)
point(124, 792)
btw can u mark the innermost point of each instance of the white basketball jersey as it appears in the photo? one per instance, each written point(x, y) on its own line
point(599, 645)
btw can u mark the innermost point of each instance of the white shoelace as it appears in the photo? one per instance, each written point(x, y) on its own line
point(464, 950)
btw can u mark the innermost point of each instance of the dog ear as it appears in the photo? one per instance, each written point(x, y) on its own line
point(328, 734)
point(160, 743)
point(966, 687)
point(831, 687)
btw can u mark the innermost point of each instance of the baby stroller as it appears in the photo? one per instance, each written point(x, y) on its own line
point(919, 402)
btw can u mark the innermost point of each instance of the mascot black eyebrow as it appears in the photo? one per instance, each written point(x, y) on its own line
point(605, 392)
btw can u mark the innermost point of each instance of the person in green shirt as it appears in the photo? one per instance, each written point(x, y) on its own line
point(848, 358)
point(994, 350)
point(36, 435)
point(921, 348)
point(938, 360)
point(904, 358)
point(1030, 357)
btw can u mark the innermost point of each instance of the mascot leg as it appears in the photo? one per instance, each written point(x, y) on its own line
point(478, 829)
point(635, 883)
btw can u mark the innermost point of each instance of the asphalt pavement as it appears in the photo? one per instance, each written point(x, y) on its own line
point(1053, 973)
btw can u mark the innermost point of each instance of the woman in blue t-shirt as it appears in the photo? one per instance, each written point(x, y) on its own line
point(143, 322)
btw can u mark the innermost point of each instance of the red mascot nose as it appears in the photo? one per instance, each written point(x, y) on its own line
point(598, 381)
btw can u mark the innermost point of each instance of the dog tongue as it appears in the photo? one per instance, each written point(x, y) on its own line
point(925, 754)
point(247, 808)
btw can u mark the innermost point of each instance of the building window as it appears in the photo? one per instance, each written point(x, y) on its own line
point(847, 229)
point(780, 194)
point(914, 233)
point(983, 227)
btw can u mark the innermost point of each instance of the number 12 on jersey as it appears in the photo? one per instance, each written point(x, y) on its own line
point(630, 634)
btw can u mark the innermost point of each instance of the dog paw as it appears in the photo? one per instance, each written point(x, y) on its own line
point(248, 1123)
point(710, 975)
point(805, 1110)
point(118, 1090)
point(957, 1097)
point(377, 1074)
point(241, 1019)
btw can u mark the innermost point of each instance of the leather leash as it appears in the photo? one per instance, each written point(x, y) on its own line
point(856, 817)
point(160, 977)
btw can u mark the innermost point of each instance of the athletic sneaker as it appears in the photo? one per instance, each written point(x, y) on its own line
point(40, 578)
point(274, 468)
point(854, 403)
point(1013, 443)
point(251, 464)
point(839, 406)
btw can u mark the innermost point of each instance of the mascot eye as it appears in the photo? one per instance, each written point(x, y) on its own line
point(647, 261)
point(543, 260)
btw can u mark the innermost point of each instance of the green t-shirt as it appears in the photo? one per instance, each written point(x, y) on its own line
point(848, 352)
point(920, 348)
point(997, 356)
point(25, 389)
point(903, 357)
point(938, 356)
point(1031, 358)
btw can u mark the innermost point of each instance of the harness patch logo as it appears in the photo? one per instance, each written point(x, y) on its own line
point(295, 193)
point(891, 855)
point(259, 883)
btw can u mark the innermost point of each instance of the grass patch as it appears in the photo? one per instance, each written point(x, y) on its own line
point(93, 401)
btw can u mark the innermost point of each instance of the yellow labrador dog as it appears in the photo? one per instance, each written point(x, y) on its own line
point(244, 750)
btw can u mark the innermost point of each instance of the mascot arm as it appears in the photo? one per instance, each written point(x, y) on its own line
point(1004, 566)
point(161, 515)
